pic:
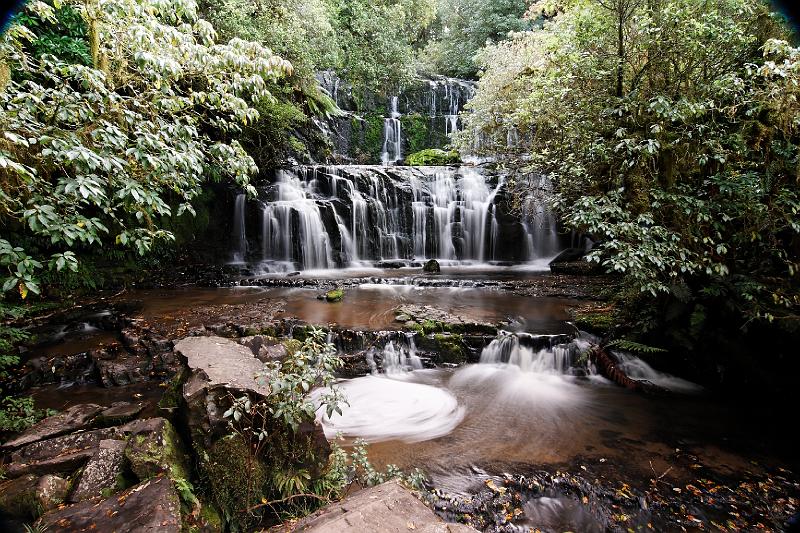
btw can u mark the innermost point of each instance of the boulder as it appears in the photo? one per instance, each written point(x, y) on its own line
point(51, 491)
point(72, 419)
point(218, 368)
point(382, 509)
point(125, 369)
point(119, 413)
point(154, 447)
point(29, 495)
point(431, 267)
point(152, 506)
point(103, 474)
point(59, 455)
point(17, 497)
point(265, 348)
point(569, 255)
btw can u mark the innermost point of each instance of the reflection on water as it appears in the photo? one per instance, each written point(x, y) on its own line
point(371, 306)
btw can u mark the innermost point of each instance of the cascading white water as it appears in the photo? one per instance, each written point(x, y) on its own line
point(334, 216)
point(636, 368)
point(541, 228)
point(397, 357)
point(392, 151)
point(546, 360)
point(293, 227)
point(239, 235)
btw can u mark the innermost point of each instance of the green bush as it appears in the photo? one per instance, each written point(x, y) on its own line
point(433, 157)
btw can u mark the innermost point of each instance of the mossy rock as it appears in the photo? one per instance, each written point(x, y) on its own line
point(236, 480)
point(335, 295)
point(599, 322)
point(154, 447)
point(449, 347)
point(433, 157)
point(415, 326)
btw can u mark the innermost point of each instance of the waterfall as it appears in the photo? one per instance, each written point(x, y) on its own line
point(512, 350)
point(397, 357)
point(541, 228)
point(239, 235)
point(336, 216)
point(392, 151)
point(293, 227)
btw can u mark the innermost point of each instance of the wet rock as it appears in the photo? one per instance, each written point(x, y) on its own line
point(432, 320)
point(265, 348)
point(75, 368)
point(154, 447)
point(124, 371)
point(58, 455)
point(381, 509)
point(103, 473)
point(151, 506)
point(75, 418)
point(569, 255)
point(118, 413)
point(130, 337)
point(431, 267)
point(29, 495)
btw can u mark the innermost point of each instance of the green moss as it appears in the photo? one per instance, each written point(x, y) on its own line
point(432, 326)
point(416, 130)
point(434, 157)
point(236, 479)
point(594, 321)
point(173, 394)
point(367, 138)
point(450, 348)
point(153, 453)
point(336, 295)
point(415, 326)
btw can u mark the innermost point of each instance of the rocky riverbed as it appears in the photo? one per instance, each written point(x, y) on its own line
point(141, 382)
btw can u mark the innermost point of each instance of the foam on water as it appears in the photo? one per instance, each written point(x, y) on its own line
point(383, 409)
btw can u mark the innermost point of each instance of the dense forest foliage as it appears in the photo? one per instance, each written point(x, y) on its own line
point(670, 131)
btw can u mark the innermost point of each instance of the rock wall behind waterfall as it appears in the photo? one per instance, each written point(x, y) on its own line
point(427, 113)
point(313, 217)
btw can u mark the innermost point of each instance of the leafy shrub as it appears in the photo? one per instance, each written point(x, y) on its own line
point(434, 157)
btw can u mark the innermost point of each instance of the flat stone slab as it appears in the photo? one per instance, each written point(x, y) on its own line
point(119, 413)
point(386, 508)
point(224, 363)
point(452, 322)
point(75, 418)
point(59, 454)
point(150, 507)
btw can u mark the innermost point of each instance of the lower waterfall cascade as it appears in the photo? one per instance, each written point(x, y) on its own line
point(321, 217)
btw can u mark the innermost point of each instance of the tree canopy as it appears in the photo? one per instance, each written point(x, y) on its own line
point(99, 154)
point(670, 129)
